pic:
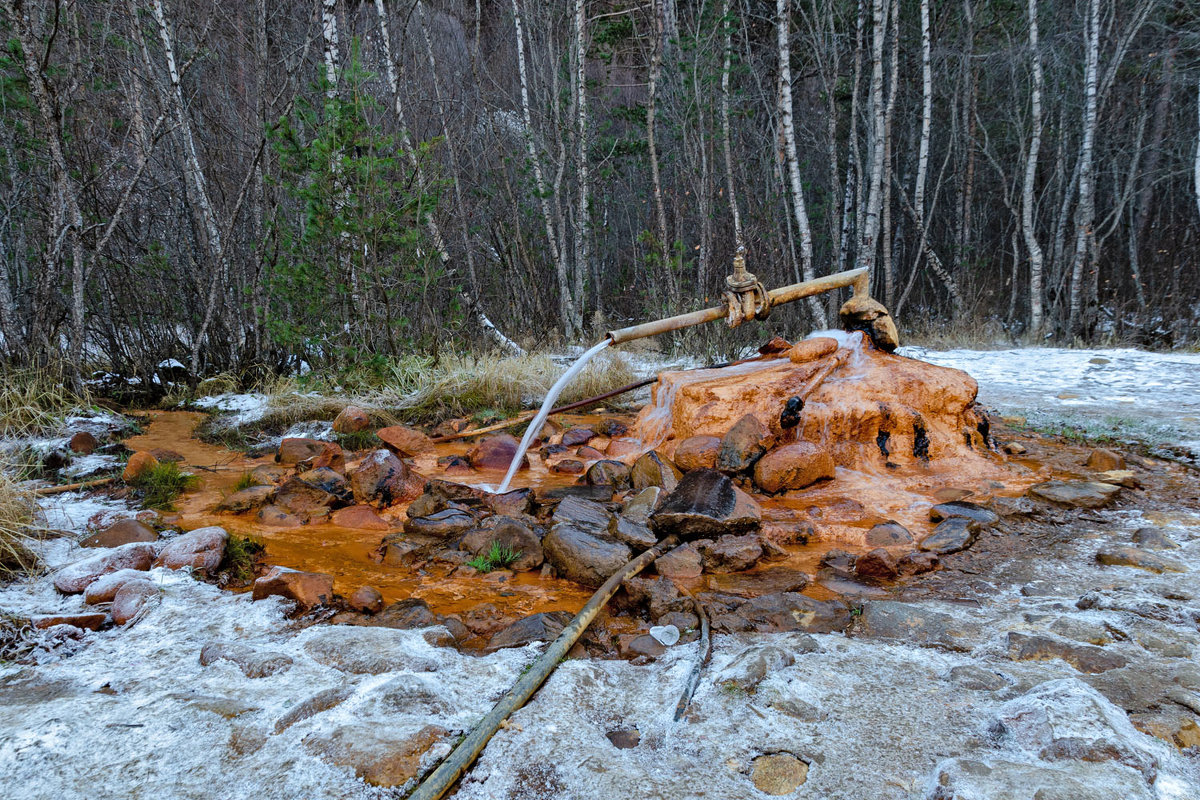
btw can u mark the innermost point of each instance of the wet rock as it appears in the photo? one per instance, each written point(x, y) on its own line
point(405, 441)
point(1076, 494)
point(877, 565)
point(583, 553)
point(551, 495)
point(862, 313)
point(351, 419)
point(382, 480)
point(1119, 556)
point(105, 588)
point(950, 536)
point(166, 455)
point(83, 443)
point(318, 703)
point(1067, 720)
point(635, 534)
point(253, 663)
point(331, 456)
point(1012, 506)
point(506, 532)
point(697, 452)
point(247, 500)
point(789, 611)
point(366, 599)
point(590, 453)
point(752, 665)
point(568, 466)
point(660, 596)
point(75, 578)
point(651, 469)
point(360, 517)
point(446, 524)
point(495, 452)
point(84, 622)
point(812, 349)
point(267, 474)
point(999, 779)
point(962, 508)
point(1154, 539)
point(278, 517)
point(640, 506)
point(125, 531)
point(544, 627)
point(917, 562)
point(793, 466)
point(642, 645)
point(451, 426)
point(706, 504)
point(624, 738)
point(759, 582)
point(608, 473)
point(138, 466)
point(888, 534)
point(455, 465)
point(324, 479)
point(510, 504)
point(301, 498)
point(130, 599)
point(1103, 460)
point(408, 614)
point(379, 756)
point(200, 550)
point(399, 551)
point(573, 437)
point(730, 553)
point(915, 624)
point(682, 563)
point(977, 678)
point(295, 450)
point(778, 773)
point(744, 444)
point(838, 560)
point(367, 649)
point(1083, 657)
point(306, 589)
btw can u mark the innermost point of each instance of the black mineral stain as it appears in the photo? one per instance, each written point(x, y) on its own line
point(790, 416)
point(920, 441)
point(881, 440)
point(985, 430)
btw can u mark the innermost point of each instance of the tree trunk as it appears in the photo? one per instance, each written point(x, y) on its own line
point(1084, 263)
point(926, 125)
point(726, 66)
point(869, 241)
point(583, 231)
point(1028, 228)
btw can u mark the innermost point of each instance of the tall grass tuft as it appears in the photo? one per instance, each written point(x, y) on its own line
point(34, 401)
point(17, 529)
point(162, 483)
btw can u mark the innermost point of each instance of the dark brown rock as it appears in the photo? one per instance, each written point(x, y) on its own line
point(1102, 460)
point(302, 498)
point(950, 536)
point(697, 452)
point(624, 738)
point(682, 563)
point(651, 469)
point(382, 480)
point(506, 532)
point(759, 582)
point(83, 443)
point(967, 510)
point(366, 599)
point(706, 504)
point(293, 451)
point(608, 473)
point(744, 444)
point(445, 524)
point(888, 534)
point(405, 441)
point(568, 466)
point(125, 531)
point(247, 500)
point(351, 419)
point(793, 466)
point(573, 437)
point(877, 565)
point(307, 589)
point(360, 517)
point(495, 452)
point(86, 622)
point(544, 627)
point(789, 611)
point(730, 553)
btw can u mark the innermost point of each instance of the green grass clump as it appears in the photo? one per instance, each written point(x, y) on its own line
point(359, 440)
point(244, 481)
point(162, 483)
point(497, 557)
point(242, 554)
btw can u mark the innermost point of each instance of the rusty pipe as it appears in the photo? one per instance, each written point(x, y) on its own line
point(859, 279)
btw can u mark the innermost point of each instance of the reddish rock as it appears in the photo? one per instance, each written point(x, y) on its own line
point(792, 466)
point(166, 455)
point(511, 503)
point(331, 457)
point(589, 453)
point(83, 443)
point(495, 452)
point(361, 517)
point(104, 589)
point(366, 599)
point(138, 465)
point(568, 466)
point(775, 346)
point(877, 565)
point(302, 498)
point(451, 426)
point(888, 534)
point(76, 577)
point(382, 480)
point(697, 452)
point(352, 419)
point(201, 550)
point(247, 500)
point(307, 589)
point(607, 472)
point(404, 441)
point(624, 446)
point(124, 531)
point(1102, 460)
point(812, 349)
point(574, 437)
point(131, 599)
point(87, 622)
point(916, 562)
point(744, 444)
point(292, 451)
point(278, 517)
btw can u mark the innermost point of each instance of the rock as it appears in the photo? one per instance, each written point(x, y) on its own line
point(510, 504)
point(130, 599)
point(950, 536)
point(1076, 494)
point(877, 565)
point(544, 627)
point(962, 508)
point(166, 455)
point(697, 452)
point(307, 589)
point(1083, 657)
point(331, 456)
point(793, 466)
point(277, 517)
point(759, 582)
point(640, 506)
point(247, 500)
point(506, 532)
point(377, 755)
point(295, 450)
point(608, 473)
point(495, 452)
point(635, 534)
point(750, 666)
point(446, 524)
point(583, 553)
point(267, 474)
point(778, 773)
point(1013, 448)
point(1120, 477)
point(1102, 460)
point(1118, 556)
point(83, 443)
point(405, 441)
point(326, 480)
point(451, 426)
point(138, 466)
point(1012, 506)
point(643, 645)
point(916, 562)
point(383, 480)
point(862, 313)
point(546, 496)
point(201, 550)
point(1154, 539)
point(302, 498)
point(624, 738)
point(105, 588)
point(399, 551)
point(651, 469)
point(730, 553)
point(977, 678)
point(361, 518)
point(812, 349)
point(351, 419)
point(75, 578)
point(366, 599)
point(706, 504)
point(253, 663)
point(408, 614)
point(84, 622)
point(888, 534)
point(999, 779)
point(682, 563)
point(125, 531)
point(568, 466)
point(744, 444)
point(310, 707)
point(573, 437)
point(915, 624)
point(790, 611)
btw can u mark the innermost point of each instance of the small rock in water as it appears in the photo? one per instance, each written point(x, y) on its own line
point(85, 622)
point(1154, 539)
point(253, 663)
point(877, 565)
point(624, 738)
point(351, 419)
point(366, 599)
point(124, 531)
point(278, 517)
point(743, 445)
point(1083, 657)
point(589, 453)
point(247, 499)
point(706, 503)
point(730, 553)
point(961, 508)
point(573, 437)
point(293, 451)
point(75, 578)
point(104, 589)
point(506, 532)
point(887, 534)
point(306, 589)
point(640, 506)
point(130, 599)
point(759, 582)
point(404, 441)
point(382, 480)
point(752, 665)
point(360, 517)
point(1077, 494)
point(951, 536)
point(608, 473)
point(778, 773)
point(495, 452)
point(1119, 556)
point(697, 452)
point(1102, 460)
point(682, 563)
point(83, 443)
point(568, 466)
point(302, 498)
point(544, 627)
point(651, 469)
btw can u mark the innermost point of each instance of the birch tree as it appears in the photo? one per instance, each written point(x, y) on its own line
point(1083, 265)
point(1028, 230)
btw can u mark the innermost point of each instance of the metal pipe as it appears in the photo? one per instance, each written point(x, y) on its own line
point(858, 278)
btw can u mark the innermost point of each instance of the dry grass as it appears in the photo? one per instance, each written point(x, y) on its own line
point(17, 529)
point(33, 401)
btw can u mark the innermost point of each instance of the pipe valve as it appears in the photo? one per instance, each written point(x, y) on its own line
point(747, 298)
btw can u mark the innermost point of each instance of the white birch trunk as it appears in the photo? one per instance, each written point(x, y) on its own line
point(660, 211)
point(726, 67)
point(869, 240)
point(926, 125)
point(1085, 211)
point(1028, 229)
point(583, 233)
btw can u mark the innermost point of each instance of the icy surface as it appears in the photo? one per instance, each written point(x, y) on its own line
point(243, 409)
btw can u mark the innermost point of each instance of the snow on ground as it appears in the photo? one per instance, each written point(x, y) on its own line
point(238, 409)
